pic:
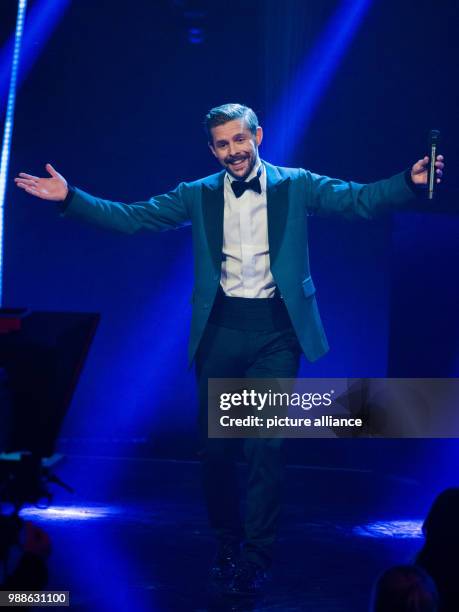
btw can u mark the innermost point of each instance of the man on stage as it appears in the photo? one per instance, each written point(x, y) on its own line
point(254, 304)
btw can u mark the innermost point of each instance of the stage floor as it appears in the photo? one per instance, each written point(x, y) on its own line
point(134, 537)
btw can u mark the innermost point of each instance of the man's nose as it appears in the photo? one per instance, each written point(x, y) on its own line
point(232, 148)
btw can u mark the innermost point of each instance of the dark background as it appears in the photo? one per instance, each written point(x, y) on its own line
point(115, 100)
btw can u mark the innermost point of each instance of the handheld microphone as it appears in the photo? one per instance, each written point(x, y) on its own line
point(434, 138)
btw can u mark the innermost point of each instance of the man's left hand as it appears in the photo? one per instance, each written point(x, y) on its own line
point(419, 172)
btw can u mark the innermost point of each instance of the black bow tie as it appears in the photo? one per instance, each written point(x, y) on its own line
point(239, 187)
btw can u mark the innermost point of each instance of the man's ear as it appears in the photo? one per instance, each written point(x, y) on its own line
point(211, 147)
point(259, 135)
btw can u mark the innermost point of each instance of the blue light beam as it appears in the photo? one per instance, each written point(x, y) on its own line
point(399, 529)
point(294, 111)
point(8, 127)
point(42, 18)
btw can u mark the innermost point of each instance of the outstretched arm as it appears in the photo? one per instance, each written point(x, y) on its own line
point(162, 212)
point(350, 199)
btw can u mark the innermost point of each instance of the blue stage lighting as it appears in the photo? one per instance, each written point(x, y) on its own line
point(71, 513)
point(411, 529)
point(40, 23)
point(42, 18)
point(8, 127)
point(196, 36)
point(293, 112)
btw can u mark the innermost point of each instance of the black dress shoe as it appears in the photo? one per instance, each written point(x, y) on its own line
point(225, 562)
point(248, 580)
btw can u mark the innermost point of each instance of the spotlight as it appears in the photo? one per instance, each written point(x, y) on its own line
point(195, 36)
point(194, 13)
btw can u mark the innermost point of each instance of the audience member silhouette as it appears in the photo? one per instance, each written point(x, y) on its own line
point(404, 588)
point(440, 554)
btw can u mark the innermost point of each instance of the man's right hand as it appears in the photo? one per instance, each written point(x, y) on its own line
point(54, 188)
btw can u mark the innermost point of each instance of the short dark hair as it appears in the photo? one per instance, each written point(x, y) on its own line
point(228, 112)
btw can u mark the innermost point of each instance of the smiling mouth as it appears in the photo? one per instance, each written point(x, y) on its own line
point(238, 163)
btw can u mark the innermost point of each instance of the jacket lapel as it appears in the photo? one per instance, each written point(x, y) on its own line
point(277, 205)
point(212, 211)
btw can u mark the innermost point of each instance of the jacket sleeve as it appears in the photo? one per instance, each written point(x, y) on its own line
point(163, 212)
point(327, 196)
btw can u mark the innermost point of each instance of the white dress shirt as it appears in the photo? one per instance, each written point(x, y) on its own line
point(246, 268)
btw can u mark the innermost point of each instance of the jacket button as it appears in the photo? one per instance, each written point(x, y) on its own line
point(206, 306)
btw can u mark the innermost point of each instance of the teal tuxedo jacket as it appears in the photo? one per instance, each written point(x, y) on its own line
point(292, 195)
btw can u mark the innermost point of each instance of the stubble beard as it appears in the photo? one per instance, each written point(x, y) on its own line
point(252, 165)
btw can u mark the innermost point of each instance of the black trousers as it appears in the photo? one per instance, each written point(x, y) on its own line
point(239, 353)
